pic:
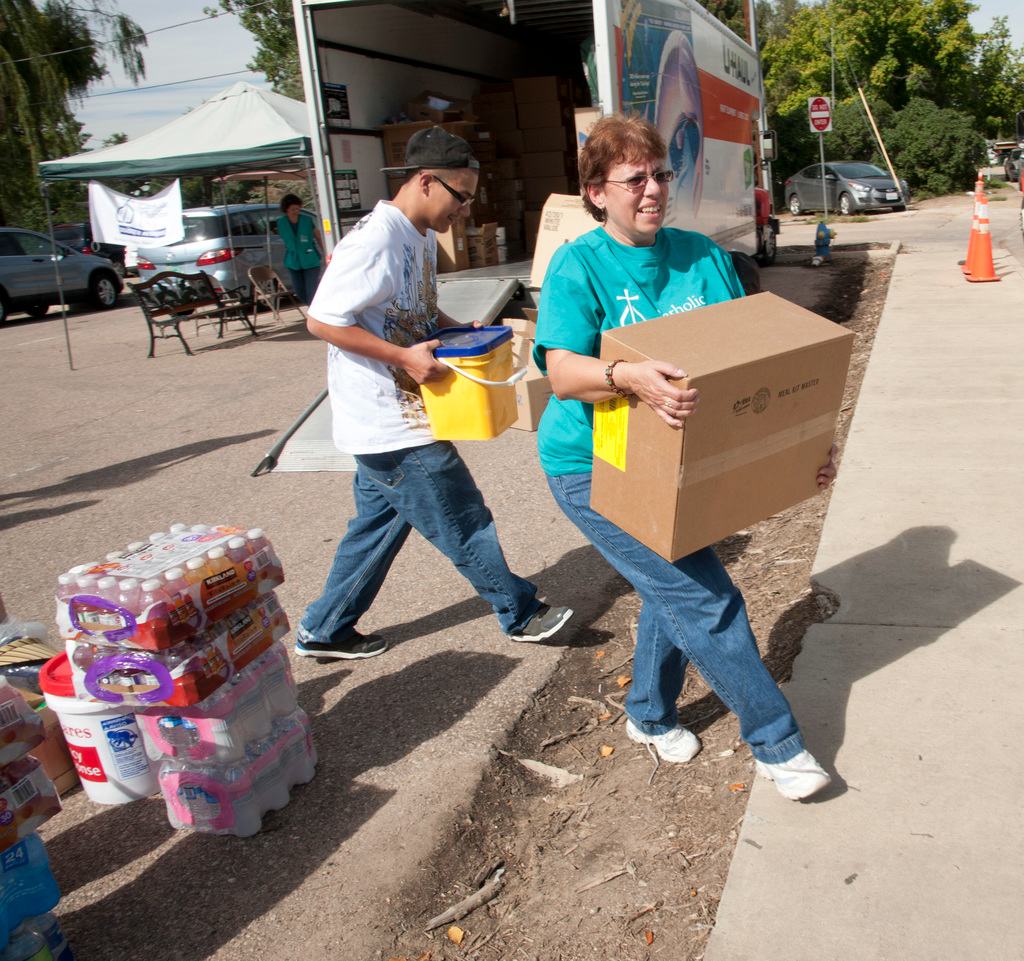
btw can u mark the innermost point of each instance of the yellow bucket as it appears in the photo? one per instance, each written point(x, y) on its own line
point(477, 399)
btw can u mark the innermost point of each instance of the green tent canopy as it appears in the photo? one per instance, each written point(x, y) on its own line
point(243, 127)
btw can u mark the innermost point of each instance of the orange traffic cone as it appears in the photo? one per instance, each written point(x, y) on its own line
point(981, 268)
point(979, 194)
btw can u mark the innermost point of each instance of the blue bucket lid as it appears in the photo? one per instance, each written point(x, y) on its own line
point(469, 341)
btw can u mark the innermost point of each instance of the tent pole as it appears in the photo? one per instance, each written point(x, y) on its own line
point(227, 213)
point(45, 190)
point(266, 200)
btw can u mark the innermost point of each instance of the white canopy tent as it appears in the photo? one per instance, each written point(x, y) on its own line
point(242, 130)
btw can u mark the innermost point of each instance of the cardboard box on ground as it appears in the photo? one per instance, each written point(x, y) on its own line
point(533, 391)
point(53, 753)
point(771, 377)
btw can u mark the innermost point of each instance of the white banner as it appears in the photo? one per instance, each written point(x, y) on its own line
point(138, 221)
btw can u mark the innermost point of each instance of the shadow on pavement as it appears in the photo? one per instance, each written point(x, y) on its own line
point(907, 583)
point(126, 472)
point(188, 902)
point(580, 578)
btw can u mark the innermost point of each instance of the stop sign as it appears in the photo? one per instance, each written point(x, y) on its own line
point(820, 110)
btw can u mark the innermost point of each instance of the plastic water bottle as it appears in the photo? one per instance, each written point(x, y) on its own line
point(217, 560)
point(49, 927)
point(238, 550)
point(26, 944)
point(27, 887)
point(196, 569)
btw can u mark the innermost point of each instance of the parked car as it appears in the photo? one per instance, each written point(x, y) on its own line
point(851, 186)
point(208, 246)
point(1014, 164)
point(28, 280)
point(79, 236)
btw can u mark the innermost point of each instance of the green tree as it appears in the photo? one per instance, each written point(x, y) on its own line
point(277, 56)
point(998, 82)
point(895, 49)
point(934, 149)
point(49, 55)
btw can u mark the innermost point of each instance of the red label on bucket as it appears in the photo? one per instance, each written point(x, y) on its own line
point(87, 762)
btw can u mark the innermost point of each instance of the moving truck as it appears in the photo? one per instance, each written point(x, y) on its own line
point(522, 69)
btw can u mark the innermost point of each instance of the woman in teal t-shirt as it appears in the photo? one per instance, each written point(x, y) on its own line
point(627, 271)
point(303, 244)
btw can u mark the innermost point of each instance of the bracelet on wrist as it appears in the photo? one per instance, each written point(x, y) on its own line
point(609, 377)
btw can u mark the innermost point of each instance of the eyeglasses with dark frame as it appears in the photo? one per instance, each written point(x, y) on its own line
point(463, 200)
point(639, 181)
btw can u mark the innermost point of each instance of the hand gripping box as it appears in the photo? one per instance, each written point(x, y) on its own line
point(771, 377)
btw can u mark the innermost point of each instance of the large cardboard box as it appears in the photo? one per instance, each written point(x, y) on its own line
point(563, 220)
point(586, 117)
point(536, 139)
point(53, 753)
point(771, 377)
point(395, 137)
point(452, 249)
point(549, 163)
point(533, 391)
point(548, 113)
point(537, 89)
point(538, 189)
point(482, 245)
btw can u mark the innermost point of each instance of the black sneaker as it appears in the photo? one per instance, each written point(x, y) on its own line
point(351, 648)
point(547, 621)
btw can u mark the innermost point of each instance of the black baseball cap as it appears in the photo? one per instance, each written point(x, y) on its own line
point(435, 148)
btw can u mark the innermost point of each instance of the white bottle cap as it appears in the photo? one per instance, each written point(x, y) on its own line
point(255, 534)
point(158, 536)
point(236, 543)
point(137, 545)
point(177, 528)
point(199, 529)
point(105, 583)
point(195, 563)
point(87, 581)
point(128, 584)
point(65, 579)
point(154, 584)
point(216, 553)
point(82, 568)
point(174, 574)
point(115, 555)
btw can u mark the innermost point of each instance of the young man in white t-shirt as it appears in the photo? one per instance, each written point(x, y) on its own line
point(376, 307)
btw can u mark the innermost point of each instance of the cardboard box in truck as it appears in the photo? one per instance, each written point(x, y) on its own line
point(771, 377)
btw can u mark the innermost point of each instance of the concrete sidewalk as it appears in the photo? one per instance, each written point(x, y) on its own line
point(910, 693)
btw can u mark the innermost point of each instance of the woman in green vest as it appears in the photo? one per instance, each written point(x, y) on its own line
point(302, 239)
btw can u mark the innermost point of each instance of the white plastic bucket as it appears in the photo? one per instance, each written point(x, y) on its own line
point(105, 742)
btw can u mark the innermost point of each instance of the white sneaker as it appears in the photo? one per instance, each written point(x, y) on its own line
point(678, 745)
point(797, 778)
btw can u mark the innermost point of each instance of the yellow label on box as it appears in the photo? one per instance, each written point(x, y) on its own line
point(611, 420)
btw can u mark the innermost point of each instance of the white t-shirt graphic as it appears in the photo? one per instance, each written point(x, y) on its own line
point(381, 277)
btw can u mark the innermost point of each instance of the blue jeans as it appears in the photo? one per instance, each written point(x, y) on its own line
point(305, 283)
point(430, 489)
point(691, 611)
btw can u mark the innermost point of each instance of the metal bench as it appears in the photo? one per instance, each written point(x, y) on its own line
point(169, 299)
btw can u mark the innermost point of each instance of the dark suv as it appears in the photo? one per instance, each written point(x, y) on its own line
point(79, 236)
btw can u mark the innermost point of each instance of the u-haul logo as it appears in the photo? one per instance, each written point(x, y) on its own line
point(736, 66)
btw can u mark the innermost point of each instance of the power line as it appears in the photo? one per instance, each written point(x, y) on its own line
point(154, 86)
point(138, 36)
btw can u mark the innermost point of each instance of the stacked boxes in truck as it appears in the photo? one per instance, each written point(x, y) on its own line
point(668, 59)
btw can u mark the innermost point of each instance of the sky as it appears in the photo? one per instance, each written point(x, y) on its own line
point(222, 46)
point(185, 53)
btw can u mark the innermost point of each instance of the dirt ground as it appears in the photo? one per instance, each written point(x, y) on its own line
point(628, 861)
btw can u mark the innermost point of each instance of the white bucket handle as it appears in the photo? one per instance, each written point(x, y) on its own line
point(514, 379)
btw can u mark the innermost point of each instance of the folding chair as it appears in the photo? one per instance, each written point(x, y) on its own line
point(269, 288)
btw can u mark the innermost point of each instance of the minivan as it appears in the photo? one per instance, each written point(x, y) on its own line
point(226, 257)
